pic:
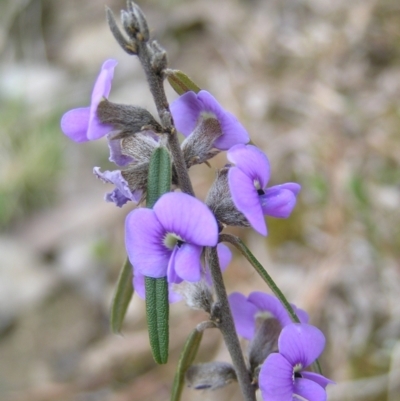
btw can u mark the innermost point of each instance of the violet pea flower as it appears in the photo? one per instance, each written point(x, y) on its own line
point(192, 108)
point(168, 240)
point(283, 377)
point(248, 181)
point(82, 124)
point(246, 310)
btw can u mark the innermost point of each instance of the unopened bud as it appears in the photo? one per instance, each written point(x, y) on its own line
point(210, 376)
point(159, 58)
point(264, 342)
point(198, 295)
point(198, 147)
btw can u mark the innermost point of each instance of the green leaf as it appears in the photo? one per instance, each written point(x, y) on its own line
point(157, 305)
point(122, 297)
point(186, 359)
point(180, 82)
point(157, 310)
point(159, 178)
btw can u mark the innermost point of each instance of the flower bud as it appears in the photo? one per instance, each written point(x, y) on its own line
point(210, 376)
point(198, 147)
point(264, 342)
point(198, 295)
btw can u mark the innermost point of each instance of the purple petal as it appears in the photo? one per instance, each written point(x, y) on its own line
point(172, 276)
point(301, 314)
point(101, 90)
point(317, 378)
point(243, 313)
point(252, 161)
point(224, 256)
point(233, 131)
point(301, 343)
point(269, 303)
point(140, 288)
point(187, 262)
point(74, 124)
point(309, 390)
point(275, 379)
point(188, 218)
point(121, 193)
point(144, 243)
point(186, 111)
point(278, 202)
point(291, 186)
point(246, 199)
point(116, 155)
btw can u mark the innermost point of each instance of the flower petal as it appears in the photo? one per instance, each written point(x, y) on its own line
point(246, 199)
point(317, 378)
point(186, 111)
point(116, 155)
point(144, 243)
point(224, 256)
point(188, 218)
point(187, 262)
point(301, 343)
point(269, 303)
point(278, 202)
point(101, 89)
point(121, 193)
point(74, 124)
point(233, 131)
point(275, 379)
point(243, 313)
point(309, 390)
point(252, 161)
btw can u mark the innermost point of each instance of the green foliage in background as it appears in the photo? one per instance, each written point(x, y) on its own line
point(30, 161)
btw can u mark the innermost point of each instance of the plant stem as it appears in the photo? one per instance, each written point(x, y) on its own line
point(226, 325)
point(155, 79)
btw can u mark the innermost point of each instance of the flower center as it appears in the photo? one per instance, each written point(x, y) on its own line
point(257, 186)
point(297, 371)
point(171, 240)
point(207, 114)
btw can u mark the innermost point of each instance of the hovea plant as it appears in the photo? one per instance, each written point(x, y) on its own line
point(174, 241)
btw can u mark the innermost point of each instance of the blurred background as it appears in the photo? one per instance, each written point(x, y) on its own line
point(317, 85)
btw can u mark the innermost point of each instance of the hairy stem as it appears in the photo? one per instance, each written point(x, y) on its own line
point(225, 323)
point(155, 79)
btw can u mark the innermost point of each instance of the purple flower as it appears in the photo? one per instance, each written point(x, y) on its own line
point(168, 239)
point(82, 124)
point(258, 304)
point(282, 376)
point(224, 255)
point(191, 109)
point(121, 194)
point(248, 180)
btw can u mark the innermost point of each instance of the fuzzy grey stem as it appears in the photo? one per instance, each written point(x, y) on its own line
point(153, 60)
point(226, 325)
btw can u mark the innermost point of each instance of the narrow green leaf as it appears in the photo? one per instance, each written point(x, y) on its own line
point(180, 82)
point(159, 178)
point(122, 297)
point(186, 359)
point(157, 311)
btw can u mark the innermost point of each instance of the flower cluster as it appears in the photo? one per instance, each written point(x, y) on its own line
point(169, 239)
point(279, 350)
